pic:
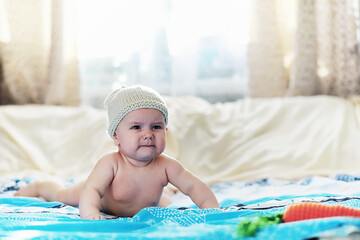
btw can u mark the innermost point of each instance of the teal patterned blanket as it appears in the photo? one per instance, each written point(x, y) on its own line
point(32, 218)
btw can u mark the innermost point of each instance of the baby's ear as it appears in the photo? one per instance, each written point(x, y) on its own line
point(116, 141)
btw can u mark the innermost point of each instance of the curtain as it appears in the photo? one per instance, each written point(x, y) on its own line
point(303, 47)
point(38, 60)
point(295, 47)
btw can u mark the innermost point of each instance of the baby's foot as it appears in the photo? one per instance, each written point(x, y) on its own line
point(30, 190)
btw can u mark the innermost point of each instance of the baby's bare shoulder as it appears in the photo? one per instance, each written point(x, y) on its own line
point(168, 161)
point(164, 158)
point(110, 156)
point(110, 160)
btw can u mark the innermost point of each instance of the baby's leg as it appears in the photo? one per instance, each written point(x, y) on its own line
point(52, 191)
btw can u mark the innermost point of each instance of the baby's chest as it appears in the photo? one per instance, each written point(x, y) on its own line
point(131, 187)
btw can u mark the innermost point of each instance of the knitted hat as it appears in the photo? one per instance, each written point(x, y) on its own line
point(126, 99)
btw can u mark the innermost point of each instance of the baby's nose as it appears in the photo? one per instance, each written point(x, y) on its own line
point(148, 135)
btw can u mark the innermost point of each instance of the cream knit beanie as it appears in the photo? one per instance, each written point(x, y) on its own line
point(126, 99)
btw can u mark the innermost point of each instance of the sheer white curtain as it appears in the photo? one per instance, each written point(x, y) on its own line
point(38, 62)
point(304, 48)
point(179, 47)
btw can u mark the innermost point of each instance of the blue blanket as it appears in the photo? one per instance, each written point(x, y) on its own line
point(32, 218)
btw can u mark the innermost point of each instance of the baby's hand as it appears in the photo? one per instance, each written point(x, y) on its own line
point(95, 216)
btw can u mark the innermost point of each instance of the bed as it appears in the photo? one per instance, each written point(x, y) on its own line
point(258, 155)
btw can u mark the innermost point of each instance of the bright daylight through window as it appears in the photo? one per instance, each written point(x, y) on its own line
point(178, 47)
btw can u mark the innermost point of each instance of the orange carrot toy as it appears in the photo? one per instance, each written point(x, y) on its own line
point(296, 212)
point(311, 210)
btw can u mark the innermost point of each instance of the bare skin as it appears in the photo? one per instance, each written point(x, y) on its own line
point(124, 182)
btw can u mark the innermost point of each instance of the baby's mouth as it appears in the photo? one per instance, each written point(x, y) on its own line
point(148, 145)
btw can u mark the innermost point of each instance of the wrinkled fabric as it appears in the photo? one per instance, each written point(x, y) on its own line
point(247, 139)
point(32, 218)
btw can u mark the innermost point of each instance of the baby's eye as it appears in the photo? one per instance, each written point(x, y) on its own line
point(157, 127)
point(135, 127)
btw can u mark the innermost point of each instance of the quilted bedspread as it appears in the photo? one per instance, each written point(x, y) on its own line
point(32, 218)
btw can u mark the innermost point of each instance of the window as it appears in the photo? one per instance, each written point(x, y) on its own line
point(178, 47)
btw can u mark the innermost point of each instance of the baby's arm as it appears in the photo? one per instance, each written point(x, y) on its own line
point(95, 187)
point(187, 183)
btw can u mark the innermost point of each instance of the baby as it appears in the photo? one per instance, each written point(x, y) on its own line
point(124, 182)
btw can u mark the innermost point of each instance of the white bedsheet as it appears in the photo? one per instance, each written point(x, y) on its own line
point(248, 139)
point(257, 138)
point(52, 141)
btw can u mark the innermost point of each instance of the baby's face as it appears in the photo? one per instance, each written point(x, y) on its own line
point(141, 134)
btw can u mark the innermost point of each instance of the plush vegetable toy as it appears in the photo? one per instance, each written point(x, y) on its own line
point(296, 212)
